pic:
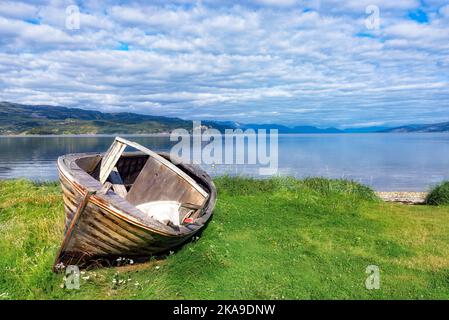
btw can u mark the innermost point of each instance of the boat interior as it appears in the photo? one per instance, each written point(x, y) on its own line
point(148, 181)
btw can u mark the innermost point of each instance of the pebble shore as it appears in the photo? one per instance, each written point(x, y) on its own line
point(403, 197)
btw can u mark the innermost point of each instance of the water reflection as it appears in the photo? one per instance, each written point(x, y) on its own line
point(384, 161)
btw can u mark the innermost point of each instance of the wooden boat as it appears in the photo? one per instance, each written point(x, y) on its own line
point(106, 197)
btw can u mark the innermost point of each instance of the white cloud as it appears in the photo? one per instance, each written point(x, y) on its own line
point(17, 10)
point(280, 3)
point(384, 5)
point(230, 61)
point(444, 11)
point(413, 30)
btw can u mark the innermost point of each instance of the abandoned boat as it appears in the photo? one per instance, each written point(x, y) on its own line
point(128, 204)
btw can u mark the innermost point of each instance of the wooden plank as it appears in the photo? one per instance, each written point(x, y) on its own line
point(89, 164)
point(190, 206)
point(117, 183)
point(166, 163)
point(156, 182)
point(110, 159)
point(106, 187)
point(72, 225)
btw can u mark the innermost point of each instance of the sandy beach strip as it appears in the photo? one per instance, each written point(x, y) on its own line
point(403, 197)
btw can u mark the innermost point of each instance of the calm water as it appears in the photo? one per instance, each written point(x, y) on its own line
point(411, 162)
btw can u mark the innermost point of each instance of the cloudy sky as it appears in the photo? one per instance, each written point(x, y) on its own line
point(325, 63)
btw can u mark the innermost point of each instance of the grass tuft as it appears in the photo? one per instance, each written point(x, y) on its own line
point(439, 195)
point(327, 187)
point(321, 186)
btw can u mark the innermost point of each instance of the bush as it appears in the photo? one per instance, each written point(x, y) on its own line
point(439, 195)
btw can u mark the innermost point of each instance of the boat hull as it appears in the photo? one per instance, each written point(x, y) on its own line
point(102, 227)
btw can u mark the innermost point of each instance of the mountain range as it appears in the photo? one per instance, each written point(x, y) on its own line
point(21, 119)
point(436, 127)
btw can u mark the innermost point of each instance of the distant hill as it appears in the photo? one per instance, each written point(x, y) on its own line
point(437, 127)
point(366, 129)
point(42, 119)
point(279, 127)
point(29, 119)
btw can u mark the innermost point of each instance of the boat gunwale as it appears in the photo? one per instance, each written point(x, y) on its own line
point(114, 204)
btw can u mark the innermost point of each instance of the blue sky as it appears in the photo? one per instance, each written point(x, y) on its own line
point(323, 63)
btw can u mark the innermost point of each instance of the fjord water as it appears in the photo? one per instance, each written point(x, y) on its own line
point(387, 162)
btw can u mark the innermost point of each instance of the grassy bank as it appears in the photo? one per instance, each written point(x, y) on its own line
point(279, 239)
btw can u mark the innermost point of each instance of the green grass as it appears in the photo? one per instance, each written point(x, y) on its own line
point(439, 195)
point(269, 239)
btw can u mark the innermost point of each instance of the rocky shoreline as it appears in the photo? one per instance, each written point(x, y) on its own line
point(403, 197)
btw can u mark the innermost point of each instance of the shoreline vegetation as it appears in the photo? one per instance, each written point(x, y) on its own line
point(278, 238)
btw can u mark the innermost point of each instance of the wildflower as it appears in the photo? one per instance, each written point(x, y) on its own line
point(60, 266)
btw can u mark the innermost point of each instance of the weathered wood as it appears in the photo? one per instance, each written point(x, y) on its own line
point(82, 205)
point(106, 187)
point(89, 164)
point(109, 225)
point(117, 183)
point(156, 182)
point(165, 162)
point(190, 206)
point(110, 159)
